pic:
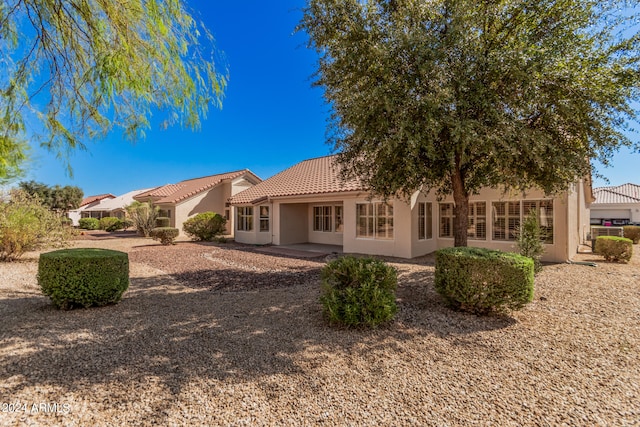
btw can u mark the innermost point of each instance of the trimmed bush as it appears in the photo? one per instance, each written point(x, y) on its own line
point(166, 235)
point(614, 248)
point(89, 223)
point(83, 277)
point(163, 221)
point(110, 223)
point(205, 226)
point(632, 232)
point(530, 239)
point(359, 291)
point(482, 281)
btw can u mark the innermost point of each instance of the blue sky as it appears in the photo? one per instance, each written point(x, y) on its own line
point(271, 116)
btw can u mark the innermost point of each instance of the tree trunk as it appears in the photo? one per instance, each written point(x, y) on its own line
point(461, 208)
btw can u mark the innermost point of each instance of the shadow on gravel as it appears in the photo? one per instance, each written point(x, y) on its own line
point(173, 336)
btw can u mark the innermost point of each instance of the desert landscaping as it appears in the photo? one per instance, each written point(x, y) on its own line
point(228, 334)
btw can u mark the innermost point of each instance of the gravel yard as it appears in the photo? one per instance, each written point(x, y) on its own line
point(226, 335)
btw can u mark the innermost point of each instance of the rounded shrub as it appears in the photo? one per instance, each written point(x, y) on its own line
point(632, 232)
point(359, 291)
point(110, 223)
point(205, 226)
point(89, 223)
point(83, 277)
point(481, 281)
point(614, 248)
point(163, 221)
point(166, 235)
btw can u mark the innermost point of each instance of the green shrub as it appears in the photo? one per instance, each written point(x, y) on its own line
point(530, 239)
point(166, 235)
point(482, 281)
point(143, 216)
point(89, 223)
point(126, 223)
point(67, 222)
point(83, 277)
point(205, 226)
point(632, 232)
point(27, 225)
point(359, 291)
point(163, 221)
point(614, 248)
point(110, 223)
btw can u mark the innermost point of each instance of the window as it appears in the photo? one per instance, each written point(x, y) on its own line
point(477, 227)
point(322, 218)
point(425, 223)
point(264, 218)
point(374, 220)
point(165, 213)
point(545, 216)
point(446, 219)
point(245, 218)
point(506, 220)
point(338, 219)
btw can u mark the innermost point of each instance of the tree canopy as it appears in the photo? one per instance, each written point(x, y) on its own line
point(72, 70)
point(455, 95)
point(57, 198)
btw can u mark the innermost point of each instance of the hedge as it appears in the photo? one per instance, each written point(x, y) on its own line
point(482, 281)
point(632, 232)
point(614, 248)
point(89, 223)
point(83, 277)
point(166, 235)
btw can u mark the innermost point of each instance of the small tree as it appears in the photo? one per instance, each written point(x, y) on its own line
point(530, 239)
point(27, 225)
point(143, 216)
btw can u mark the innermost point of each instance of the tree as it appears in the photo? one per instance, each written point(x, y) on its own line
point(455, 95)
point(57, 198)
point(72, 70)
point(143, 216)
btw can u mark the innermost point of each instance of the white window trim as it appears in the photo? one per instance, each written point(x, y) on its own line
point(372, 212)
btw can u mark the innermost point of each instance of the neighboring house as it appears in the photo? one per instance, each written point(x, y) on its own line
point(618, 205)
point(88, 202)
point(112, 207)
point(308, 203)
point(185, 199)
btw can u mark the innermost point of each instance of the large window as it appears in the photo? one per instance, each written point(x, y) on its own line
point(477, 226)
point(328, 218)
point(425, 221)
point(338, 219)
point(264, 218)
point(245, 218)
point(507, 217)
point(374, 220)
point(446, 220)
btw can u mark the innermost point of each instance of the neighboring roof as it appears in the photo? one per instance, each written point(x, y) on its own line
point(621, 194)
point(314, 176)
point(174, 193)
point(92, 199)
point(116, 203)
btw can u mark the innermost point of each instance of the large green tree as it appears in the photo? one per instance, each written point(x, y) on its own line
point(454, 95)
point(57, 198)
point(72, 70)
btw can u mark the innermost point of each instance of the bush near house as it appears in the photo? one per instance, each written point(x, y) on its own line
point(359, 291)
point(166, 235)
point(110, 223)
point(83, 277)
point(632, 232)
point(614, 248)
point(483, 281)
point(205, 226)
point(89, 223)
point(530, 239)
point(163, 221)
point(143, 216)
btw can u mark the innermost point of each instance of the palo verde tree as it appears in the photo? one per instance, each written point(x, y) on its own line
point(454, 95)
point(71, 70)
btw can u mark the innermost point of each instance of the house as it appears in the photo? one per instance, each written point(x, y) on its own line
point(114, 207)
point(618, 205)
point(187, 198)
point(88, 202)
point(308, 203)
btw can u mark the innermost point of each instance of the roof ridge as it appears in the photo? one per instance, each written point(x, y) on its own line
point(212, 175)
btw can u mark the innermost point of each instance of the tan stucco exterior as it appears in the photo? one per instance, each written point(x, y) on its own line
point(291, 221)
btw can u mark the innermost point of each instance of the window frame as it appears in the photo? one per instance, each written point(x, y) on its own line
point(244, 218)
point(425, 221)
point(377, 225)
point(475, 219)
point(449, 216)
point(264, 219)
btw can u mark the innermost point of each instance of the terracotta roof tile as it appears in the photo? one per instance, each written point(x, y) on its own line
point(174, 193)
point(313, 176)
point(91, 199)
point(623, 194)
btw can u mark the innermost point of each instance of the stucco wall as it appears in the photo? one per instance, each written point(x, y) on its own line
point(290, 223)
point(212, 200)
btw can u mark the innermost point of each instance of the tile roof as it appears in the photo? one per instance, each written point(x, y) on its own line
point(174, 193)
point(116, 203)
point(313, 176)
point(91, 199)
point(623, 194)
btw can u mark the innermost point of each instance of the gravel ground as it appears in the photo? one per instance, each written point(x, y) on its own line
point(224, 335)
